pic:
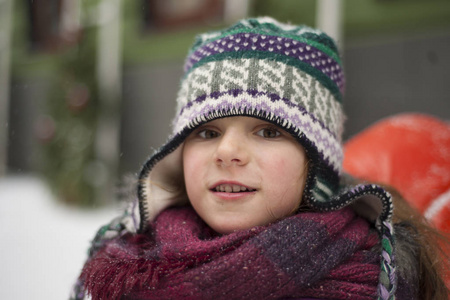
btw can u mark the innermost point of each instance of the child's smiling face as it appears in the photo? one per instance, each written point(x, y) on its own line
point(241, 172)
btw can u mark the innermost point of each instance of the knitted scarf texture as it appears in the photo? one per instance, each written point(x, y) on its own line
point(321, 255)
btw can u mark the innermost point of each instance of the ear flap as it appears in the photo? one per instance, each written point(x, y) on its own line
point(368, 200)
point(164, 185)
point(369, 207)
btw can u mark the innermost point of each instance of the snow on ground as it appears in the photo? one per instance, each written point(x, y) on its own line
point(43, 244)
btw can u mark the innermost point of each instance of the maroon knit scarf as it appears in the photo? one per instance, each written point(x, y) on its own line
point(321, 255)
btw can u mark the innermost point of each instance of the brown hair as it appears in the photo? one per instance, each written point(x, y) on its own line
point(431, 247)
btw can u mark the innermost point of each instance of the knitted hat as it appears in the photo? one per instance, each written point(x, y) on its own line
point(288, 75)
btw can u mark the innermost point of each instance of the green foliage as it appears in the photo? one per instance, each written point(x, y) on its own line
point(69, 113)
point(68, 152)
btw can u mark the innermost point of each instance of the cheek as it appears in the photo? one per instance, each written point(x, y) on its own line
point(196, 164)
point(285, 177)
point(284, 169)
point(192, 158)
point(190, 165)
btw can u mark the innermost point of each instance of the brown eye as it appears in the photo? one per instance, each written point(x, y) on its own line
point(208, 134)
point(269, 133)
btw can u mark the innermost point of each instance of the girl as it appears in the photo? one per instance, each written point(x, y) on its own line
point(246, 199)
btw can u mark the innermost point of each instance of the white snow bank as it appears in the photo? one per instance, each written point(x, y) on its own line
point(43, 244)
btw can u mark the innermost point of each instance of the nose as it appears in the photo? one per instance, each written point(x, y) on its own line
point(232, 150)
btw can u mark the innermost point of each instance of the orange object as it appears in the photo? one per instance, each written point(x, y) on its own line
point(410, 152)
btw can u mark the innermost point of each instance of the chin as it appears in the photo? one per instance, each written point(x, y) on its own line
point(228, 226)
point(224, 228)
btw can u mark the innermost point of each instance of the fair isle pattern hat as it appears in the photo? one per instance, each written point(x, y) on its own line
point(288, 75)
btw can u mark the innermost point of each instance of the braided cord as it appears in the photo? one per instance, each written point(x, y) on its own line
point(388, 279)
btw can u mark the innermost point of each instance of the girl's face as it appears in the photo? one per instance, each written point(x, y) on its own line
point(241, 172)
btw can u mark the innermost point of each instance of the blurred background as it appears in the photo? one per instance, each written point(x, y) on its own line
point(88, 87)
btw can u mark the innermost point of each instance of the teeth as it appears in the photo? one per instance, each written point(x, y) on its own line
point(236, 188)
point(231, 188)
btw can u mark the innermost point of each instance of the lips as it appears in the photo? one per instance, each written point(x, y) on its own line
point(232, 188)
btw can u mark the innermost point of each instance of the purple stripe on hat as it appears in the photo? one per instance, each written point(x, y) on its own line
point(276, 44)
